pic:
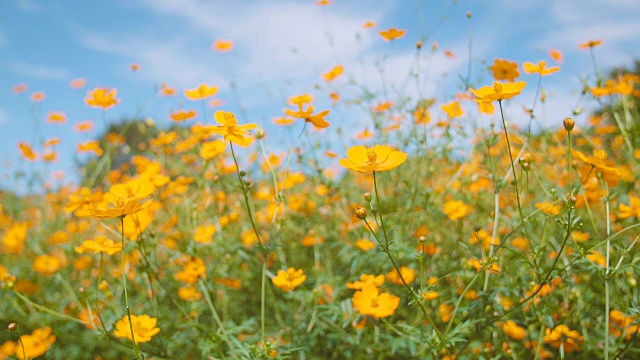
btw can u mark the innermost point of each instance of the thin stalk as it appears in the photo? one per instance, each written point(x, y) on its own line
point(496, 216)
point(126, 295)
point(607, 274)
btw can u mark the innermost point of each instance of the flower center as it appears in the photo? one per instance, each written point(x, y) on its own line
point(371, 156)
point(229, 119)
point(600, 154)
point(497, 87)
point(119, 201)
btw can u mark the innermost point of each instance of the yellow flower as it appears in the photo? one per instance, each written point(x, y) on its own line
point(562, 335)
point(369, 301)
point(541, 68)
point(633, 209)
point(334, 73)
point(365, 245)
point(317, 120)
point(378, 158)
point(144, 328)
point(90, 145)
point(222, 45)
point(102, 98)
point(122, 208)
point(499, 91)
point(100, 245)
point(505, 70)
point(597, 258)
point(445, 311)
point(212, 149)
point(183, 115)
point(408, 275)
point(456, 209)
point(46, 265)
point(366, 279)
point(193, 268)
point(204, 234)
point(392, 34)
point(189, 293)
point(452, 109)
point(290, 279)
point(229, 128)
point(36, 344)
point(512, 330)
point(590, 44)
point(549, 208)
point(201, 92)
point(13, 240)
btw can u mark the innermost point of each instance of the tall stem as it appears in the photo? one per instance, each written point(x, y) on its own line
point(124, 283)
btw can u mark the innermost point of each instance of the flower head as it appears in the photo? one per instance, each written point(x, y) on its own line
point(369, 301)
point(499, 91)
point(102, 98)
point(144, 328)
point(35, 344)
point(222, 45)
point(392, 34)
point(590, 44)
point(229, 128)
point(290, 279)
point(505, 70)
point(316, 119)
point(100, 245)
point(512, 330)
point(378, 158)
point(562, 335)
point(540, 68)
point(201, 92)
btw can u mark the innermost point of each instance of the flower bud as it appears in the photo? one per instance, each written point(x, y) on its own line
point(13, 327)
point(568, 123)
point(419, 45)
point(259, 132)
point(242, 173)
point(367, 196)
point(361, 213)
point(422, 240)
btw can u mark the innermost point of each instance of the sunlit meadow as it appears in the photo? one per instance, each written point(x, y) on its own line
point(473, 223)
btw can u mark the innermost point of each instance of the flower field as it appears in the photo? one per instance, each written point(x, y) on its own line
point(452, 227)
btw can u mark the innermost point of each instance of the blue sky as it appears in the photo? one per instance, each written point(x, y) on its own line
point(281, 49)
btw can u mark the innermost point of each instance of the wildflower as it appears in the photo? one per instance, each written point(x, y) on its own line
point(134, 67)
point(317, 120)
point(364, 135)
point(541, 68)
point(38, 96)
point(77, 83)
point(211, 149)
point(549, 208)
point(590, 44)
point(204, 234)
point(100, 245)
point(193, 268)
point(369, 301)
point(406, 273)
point(46, 265)
point(56, 117)
point(499, 91)
point(166, 90)
point(229, 128)
point(83, 126)
point(452, 109)
point(365, 245)
point(144, 328)
point(102, 98)
point(189, 293)
point(378, 158)
point(35, 344)
point(445, 311)
point(597, 258)
point(556, 55)
point(562, 335)
point(421, 112)
point(290, 279)
point(203, 91)
point(183, 115)
point(505, 70)
point(20, 88)
point(13, 240)
point(366, 279)
point(633, 209)
point(512, 330)
point(456, 209)
point(333, 73)
point(604, 167)
point(222, 45)
point(369, 24)
point(122, 208)
point(392, 34)
point(494, 268)
point(283, 121)
point(6, 279)
point(27, 152)
point(90, 145)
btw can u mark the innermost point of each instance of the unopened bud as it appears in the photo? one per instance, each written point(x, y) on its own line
point(361, 213)
point(419, 45)
point(469, 15)
point(259, 132)
point(13, 327)
point(422, 240)
point(367, 196)
point(242, 173)
point(568, 123)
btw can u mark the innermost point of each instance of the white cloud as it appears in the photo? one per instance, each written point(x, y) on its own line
point(37, 71)
point(29, 6)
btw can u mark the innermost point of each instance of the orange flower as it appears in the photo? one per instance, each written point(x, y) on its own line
point(378, 158)
point(83, 126)
point(122, 208)
point(102, 98)
point(562, 335)
point(541, 68)
point(134, 67)
point(445, 311)
point(633, 209)
point(317, 120)
point(77, 83)
point(364, 135)
point(452, 109)
point(590, 44)
point(36, 344)
point(369, 301)
point(212, 149)
point(193, 268)
point(100, 245)
point(556, 55)
point(366, 279)
point(20, 88)
point(144, 328)
point(37, 96)
point(166, 90)
point(27, 152)
point(56, 117)
point(283, 121)
point(90, 145)
point(290, 279)
point(201, 92)
point(46, 265)
point(456, 209)
point(333, 73)
point(222, 45)
point(229, 128)
point(183, 115)
point(365, 245)
point(499, 91)
point(505, 70)
point(512, 330)
point(408, 275)
point(368, 25)
point(392, 34)
point(324, 2)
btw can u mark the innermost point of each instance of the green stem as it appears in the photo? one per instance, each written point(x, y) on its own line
point(126, 295)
